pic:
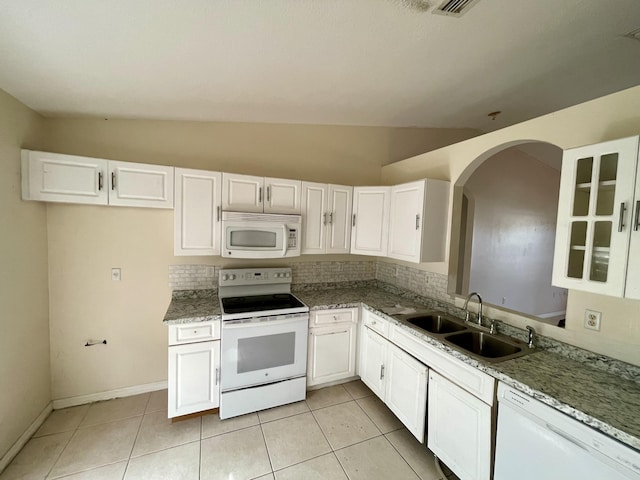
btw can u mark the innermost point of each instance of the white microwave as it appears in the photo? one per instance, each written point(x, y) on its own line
point(260, 235)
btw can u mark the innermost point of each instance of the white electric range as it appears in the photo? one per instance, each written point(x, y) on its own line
point(264, 341)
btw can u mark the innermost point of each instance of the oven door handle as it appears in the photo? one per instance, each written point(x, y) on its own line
point(230, 325)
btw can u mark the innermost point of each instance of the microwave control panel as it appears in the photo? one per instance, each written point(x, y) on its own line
point(292, 241)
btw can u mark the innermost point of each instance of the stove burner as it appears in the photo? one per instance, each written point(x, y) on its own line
point(260, 303)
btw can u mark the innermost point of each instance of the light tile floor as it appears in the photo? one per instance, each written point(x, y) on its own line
point(340, 432)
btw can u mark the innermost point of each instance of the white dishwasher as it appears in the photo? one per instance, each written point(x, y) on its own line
point(535, 441)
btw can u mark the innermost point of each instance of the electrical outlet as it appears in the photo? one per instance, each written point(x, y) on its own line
point(504, 300)
point(116, 274)
point(592, 320)
point(397, 268)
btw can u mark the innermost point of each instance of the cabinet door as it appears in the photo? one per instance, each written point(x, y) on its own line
point(197, 212)
point(632, 287)
point(405, 221)
point(339, 219)
point(459, 429)
point(373, 351)
point(194, 378)
point(242, 193)
point(370, 220)
point(52, 177)
point(282, 196)
point(406, 390)
point(314, 217)
point(594, 217)
point(140, 185)
point(331, 353)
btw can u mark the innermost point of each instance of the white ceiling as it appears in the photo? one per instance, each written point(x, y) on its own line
point(353, 62)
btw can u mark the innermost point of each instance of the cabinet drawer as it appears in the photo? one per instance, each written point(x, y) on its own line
point(194, 332)
point(375, 323)
point(329, 317)
point(469, 378)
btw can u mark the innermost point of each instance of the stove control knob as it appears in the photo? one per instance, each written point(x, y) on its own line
point(278, 275)
point(225, 277)
point(232, 277)
point(287, 274)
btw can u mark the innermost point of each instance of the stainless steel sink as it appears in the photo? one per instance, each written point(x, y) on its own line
point(466, 338)
point(483, 344)
point(434, 322)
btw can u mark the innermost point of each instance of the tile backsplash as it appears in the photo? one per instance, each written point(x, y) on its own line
point(428, 284)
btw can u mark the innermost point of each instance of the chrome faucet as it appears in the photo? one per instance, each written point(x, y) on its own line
point(466, 310)
point(531, 334)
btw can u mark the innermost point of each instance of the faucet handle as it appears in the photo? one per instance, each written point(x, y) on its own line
point(493, 328)
point(532, 332)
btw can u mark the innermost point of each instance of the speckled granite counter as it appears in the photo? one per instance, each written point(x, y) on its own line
point(193, 306)
point(600, 399)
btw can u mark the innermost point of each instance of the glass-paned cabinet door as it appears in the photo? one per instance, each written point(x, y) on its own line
point(596, 193)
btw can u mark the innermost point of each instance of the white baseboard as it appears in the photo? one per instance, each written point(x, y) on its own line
point(108, 395)
point(24, 438)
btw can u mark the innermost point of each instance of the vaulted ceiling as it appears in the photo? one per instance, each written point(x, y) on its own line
point(343, 62)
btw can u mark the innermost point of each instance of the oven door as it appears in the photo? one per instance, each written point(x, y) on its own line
point(263, 350)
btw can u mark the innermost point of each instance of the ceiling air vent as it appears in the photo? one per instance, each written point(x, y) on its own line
point(455, 8)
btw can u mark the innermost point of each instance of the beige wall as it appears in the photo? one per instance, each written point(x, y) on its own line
point(24, 324)
point(606, 118)
point(85, 242)
point(320, 153)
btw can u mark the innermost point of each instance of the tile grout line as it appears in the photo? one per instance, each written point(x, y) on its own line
point(137, 434)
point(266, 446)
point(405, 460)
point(333, 451)
point(200, 449)
point(75, 430)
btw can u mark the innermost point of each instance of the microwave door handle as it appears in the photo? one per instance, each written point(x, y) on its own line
point(285, 240)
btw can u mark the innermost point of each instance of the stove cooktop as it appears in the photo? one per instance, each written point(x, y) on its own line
point(260, 303)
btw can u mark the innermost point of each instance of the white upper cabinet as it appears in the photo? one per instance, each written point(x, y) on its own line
point(140, 185)
point(245, 193)
point(418, 221)
point(370, 220)
point(597, 234)
point(55, 177)
point(242, 193)
point(326, 217)
point(197, 213)
point(282, 195)
point(339, 232)
point(52, 177)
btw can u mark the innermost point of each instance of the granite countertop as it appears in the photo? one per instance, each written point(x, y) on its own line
point(600, 399)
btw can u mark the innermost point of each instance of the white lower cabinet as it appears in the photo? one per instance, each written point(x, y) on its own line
point(396, 377)
point(194, 368)
point(373, 353)
point(459, 429)
point(406, 393)
point(332, 345)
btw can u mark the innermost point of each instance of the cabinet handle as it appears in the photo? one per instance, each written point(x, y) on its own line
point(381, 372)
point(331, 218)
point(621, 222)
point(353, 222)
point(418, 222)
point(324, 221)
point(636, 221)
point(268, 194)
point(100, 181)
point(219, 210)
point(217, 376)
point(113, 180)
point(259, 194)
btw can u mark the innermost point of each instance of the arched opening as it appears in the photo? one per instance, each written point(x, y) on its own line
point(503, 231)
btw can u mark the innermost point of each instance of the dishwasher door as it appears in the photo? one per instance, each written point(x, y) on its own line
point(535, 441)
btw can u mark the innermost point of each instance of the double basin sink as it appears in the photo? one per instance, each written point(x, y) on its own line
point(473, 341)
